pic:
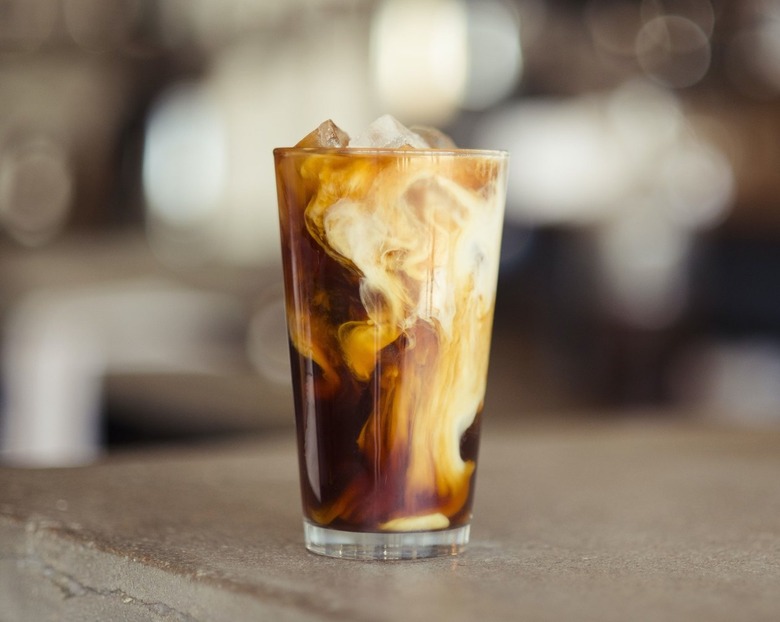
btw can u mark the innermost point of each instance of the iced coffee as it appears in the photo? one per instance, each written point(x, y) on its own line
point(390, 250)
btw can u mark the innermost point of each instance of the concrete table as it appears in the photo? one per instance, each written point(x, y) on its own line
point(613, 521)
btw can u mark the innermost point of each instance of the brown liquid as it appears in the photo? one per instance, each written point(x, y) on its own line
point(389, 314)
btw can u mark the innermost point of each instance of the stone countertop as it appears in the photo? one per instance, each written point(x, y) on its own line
point(631, 520)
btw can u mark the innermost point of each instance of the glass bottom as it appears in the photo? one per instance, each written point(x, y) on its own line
point(384, 546)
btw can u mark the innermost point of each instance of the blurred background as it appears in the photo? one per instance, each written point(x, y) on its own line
point(140, 294)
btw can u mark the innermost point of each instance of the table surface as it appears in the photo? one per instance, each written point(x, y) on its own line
point(628, 520)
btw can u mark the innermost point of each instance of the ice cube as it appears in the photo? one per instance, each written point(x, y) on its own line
point(328, 134)
point(436, 139)
point(388, 133)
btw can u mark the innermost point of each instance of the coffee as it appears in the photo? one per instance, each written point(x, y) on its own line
point(390, 266)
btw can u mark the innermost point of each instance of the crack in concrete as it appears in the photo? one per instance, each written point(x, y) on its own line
point(37, 529)
point(71, 587)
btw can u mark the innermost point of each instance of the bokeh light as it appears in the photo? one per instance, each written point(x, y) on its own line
point(432, 58)
point(754, 51)
point(673, 50)
point(700, 12)
point(727, 378)
point(420, 58)
point(184, 168)
point(668, 41)
point(626, 165)
point(26, 24)
point(564, 167)
point(495, 63)
point(36, 189)
point(697, 184)
point(643, 262)
point(267, 346)
point(613, 25)
point(100, 25)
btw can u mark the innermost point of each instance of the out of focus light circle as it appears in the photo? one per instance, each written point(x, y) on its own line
point(495, 59)
point(565, 166)
point(420, 58)
point(184, 170)
point(36, 188)
point(26, 24)
point(755, 55)
point(673, 51)
point(642, 260)
point(184, 157)
point(613, 24)
point(645, 118)
point(698, 185)
point(267, 345)
point(100, 25)
point(767, 56)
point(700, 12)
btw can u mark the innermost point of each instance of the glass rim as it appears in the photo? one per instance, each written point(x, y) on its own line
point(385, 151)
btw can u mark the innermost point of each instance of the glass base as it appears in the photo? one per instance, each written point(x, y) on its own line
point(384, 546)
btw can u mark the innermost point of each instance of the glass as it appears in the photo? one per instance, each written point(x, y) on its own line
point(390, 265)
